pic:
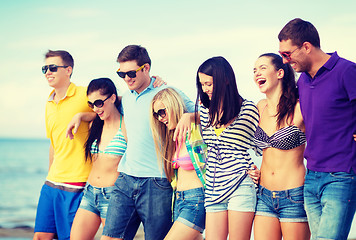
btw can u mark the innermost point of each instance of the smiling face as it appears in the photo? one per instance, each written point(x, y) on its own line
point(105, 111)
point(142, 79)
point(157, 106)
point(58, 79)
point(207, 84)
point(266, 76)
point(297, 56)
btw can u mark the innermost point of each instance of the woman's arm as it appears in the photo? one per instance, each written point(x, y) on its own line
point(76, 120)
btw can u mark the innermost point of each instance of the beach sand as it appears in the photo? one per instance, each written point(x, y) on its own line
point(27, 233)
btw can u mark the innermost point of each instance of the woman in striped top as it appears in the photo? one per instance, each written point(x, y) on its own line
point(228, 124)
point(104, 148)
point(280, 209)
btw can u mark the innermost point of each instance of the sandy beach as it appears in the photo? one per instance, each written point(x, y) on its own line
point(27, 233)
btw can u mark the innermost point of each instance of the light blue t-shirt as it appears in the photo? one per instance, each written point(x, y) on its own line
point(140, 159)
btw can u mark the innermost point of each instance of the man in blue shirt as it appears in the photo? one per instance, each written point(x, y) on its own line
point(142, 192)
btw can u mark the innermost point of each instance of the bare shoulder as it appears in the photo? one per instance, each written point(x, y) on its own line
point(261, 104)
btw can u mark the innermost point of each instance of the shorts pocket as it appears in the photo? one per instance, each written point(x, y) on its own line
point(162, 183)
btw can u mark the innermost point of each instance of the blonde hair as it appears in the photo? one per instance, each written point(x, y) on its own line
point(162, 136)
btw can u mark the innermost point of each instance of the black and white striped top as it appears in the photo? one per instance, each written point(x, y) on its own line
point(228, 159)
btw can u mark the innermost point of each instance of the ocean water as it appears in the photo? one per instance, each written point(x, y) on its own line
point(23, 170)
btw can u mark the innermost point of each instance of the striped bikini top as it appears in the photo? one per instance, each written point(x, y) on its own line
point(117, 145)
point(285, 138)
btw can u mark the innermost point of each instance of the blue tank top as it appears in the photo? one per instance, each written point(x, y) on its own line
point(117, 145)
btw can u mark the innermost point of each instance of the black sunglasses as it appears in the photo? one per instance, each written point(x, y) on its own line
point(160, 112)
point(52, 68)
point(98, 103)
point(131, 74)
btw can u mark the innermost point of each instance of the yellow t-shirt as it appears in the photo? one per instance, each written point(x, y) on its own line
point(69, 163)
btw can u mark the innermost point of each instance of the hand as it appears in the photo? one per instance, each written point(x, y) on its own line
point(158, 82)
point(183, 127)
point(73, 126)
point(355, 137)
point(254, 174)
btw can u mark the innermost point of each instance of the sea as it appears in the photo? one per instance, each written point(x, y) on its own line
point(23, 170)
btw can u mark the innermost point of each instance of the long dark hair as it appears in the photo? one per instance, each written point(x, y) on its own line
point(225, 94)
point(289, 96)
point(106, 88)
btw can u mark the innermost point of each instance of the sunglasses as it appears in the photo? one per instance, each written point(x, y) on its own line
point(287, 55)
point(98, 103)
point(52, 68)
point(160, 112)
point(131, 74)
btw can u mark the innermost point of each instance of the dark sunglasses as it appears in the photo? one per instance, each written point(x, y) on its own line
point(160, 112)
point(98, 103)
point(287, 55)
point(52, 68)
point(131, 74)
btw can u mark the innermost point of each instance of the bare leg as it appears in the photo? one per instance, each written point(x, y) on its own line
point(216, 225)
point(179, 231)
point(295, 231)
point(267, 228)
point(85, 225)
point(240, 225)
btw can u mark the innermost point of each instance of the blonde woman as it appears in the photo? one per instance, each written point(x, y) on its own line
point(167, 107)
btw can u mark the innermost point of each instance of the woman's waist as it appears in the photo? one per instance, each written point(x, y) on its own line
point(187, 180)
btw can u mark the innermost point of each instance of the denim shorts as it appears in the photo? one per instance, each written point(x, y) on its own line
point(189, 208)
point(96, 199)
point(56, 209)
point(287, 205)
point(243, 199)
point(139, 199)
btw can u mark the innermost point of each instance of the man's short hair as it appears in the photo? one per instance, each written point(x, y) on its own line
point(134, 53)
point(67, 59)
point(300, 31)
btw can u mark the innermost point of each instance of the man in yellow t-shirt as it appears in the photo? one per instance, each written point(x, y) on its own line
point(68, 170)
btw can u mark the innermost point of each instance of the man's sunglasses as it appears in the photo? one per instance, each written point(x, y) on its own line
point(287, 55)
point(98, 103)
point(52, 68)
point(160, 112)
point(131, 74)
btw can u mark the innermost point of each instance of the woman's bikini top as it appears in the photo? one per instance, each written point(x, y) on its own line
point(117, 145)
point(183, 161)
point(285, 138)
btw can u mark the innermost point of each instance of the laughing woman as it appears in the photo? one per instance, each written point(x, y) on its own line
point(280, 205)
point(104, 148)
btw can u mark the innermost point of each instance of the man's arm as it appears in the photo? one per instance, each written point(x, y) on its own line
point(76, 120)
point(51, 156)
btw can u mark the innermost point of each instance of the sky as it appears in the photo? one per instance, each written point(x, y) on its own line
point(179, 36)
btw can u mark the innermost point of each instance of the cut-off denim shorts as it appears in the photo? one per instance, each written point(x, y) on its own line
point(96, 199)
point(189, 208)
point(287, 205)
point(243, 199)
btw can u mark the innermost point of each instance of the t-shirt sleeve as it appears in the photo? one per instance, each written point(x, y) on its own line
point(188, 103)
point(350, 81)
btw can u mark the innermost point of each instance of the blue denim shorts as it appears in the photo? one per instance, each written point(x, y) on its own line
point(139, 199)
point(56, 209)
point(287, 205)
point(96, 199)
point(243, 199)
point(189, 208)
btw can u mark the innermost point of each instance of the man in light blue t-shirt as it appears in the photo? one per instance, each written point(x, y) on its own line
point(142, 192)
